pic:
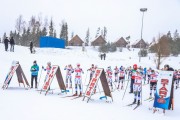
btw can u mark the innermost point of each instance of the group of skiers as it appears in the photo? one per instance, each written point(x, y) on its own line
point(136, 74)
point(12, 43)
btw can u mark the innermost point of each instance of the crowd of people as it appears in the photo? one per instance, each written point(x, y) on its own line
point(115, 77)
point(137, 76)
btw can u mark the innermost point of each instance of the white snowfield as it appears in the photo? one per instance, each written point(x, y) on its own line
point(16, 103)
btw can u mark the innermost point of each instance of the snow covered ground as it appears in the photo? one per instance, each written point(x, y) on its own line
point(19, 104)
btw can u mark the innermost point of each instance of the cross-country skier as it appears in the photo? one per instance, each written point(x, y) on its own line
point(92, 71)
point(121, 78)
point(144, 74)
point(132, 73)
point(128, 72)
point(109, 76)
point(137, 86)
point(148, 74)
point(69, 70)
point(153, 82)
point(48, 69)
point(34, 73)
point(78, 78)
point(116, 71)
point(177, 77)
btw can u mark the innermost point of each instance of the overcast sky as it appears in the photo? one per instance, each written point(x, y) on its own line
point(121, 17)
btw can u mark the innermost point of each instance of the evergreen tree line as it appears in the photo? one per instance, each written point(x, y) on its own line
point(32, 30)
point(35, 28)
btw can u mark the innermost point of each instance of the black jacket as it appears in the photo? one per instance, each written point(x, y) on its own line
point(31, 45)
point(6, 41)
point(12, 41)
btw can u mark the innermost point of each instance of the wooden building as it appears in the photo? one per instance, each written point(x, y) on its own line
point(98, 41)
point(76, 41)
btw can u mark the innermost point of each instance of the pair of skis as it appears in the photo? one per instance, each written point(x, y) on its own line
point(71, 96)
point(149, 99)
point(137, 105)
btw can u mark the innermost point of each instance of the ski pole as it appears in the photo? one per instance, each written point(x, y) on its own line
point(39, 78)
point(125, 89)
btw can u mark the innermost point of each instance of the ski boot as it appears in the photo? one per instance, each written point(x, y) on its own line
point(138, 103)
point(75, 94)
point(80, 95)
point(134, 102)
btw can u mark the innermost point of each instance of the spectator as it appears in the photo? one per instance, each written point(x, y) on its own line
point(6, 43)
point(34, 73)
point(31, 46)
point(12, 44)
point(104, 55)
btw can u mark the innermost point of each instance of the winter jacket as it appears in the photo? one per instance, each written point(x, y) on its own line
point(31, 45)
point(34, 70)
point(12, 41)
point(6, 41)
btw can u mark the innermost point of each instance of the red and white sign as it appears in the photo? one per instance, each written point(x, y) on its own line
point(93, 82)
point(9, 76)
point(50, 78)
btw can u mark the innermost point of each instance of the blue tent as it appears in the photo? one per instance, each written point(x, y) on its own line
point(52, 42)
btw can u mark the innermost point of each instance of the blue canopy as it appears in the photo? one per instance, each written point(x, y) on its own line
point(52, 42)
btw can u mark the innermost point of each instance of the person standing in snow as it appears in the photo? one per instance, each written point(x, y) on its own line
point(12, 43)
point(78, 79)
point(121, 78)
point(153, 82)
point(177, 77)
point(48, 69)
point(137, 86)
point(31, 46)
point(34, 73)
point(133, 73)
point(69, 70)
point(104, 56)
point(6, 41)
point(109, 76)
point(149, 73)
point(116, 71)
point(92, 71)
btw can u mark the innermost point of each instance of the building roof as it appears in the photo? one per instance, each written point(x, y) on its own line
point(76, 39)
point(98, 41)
